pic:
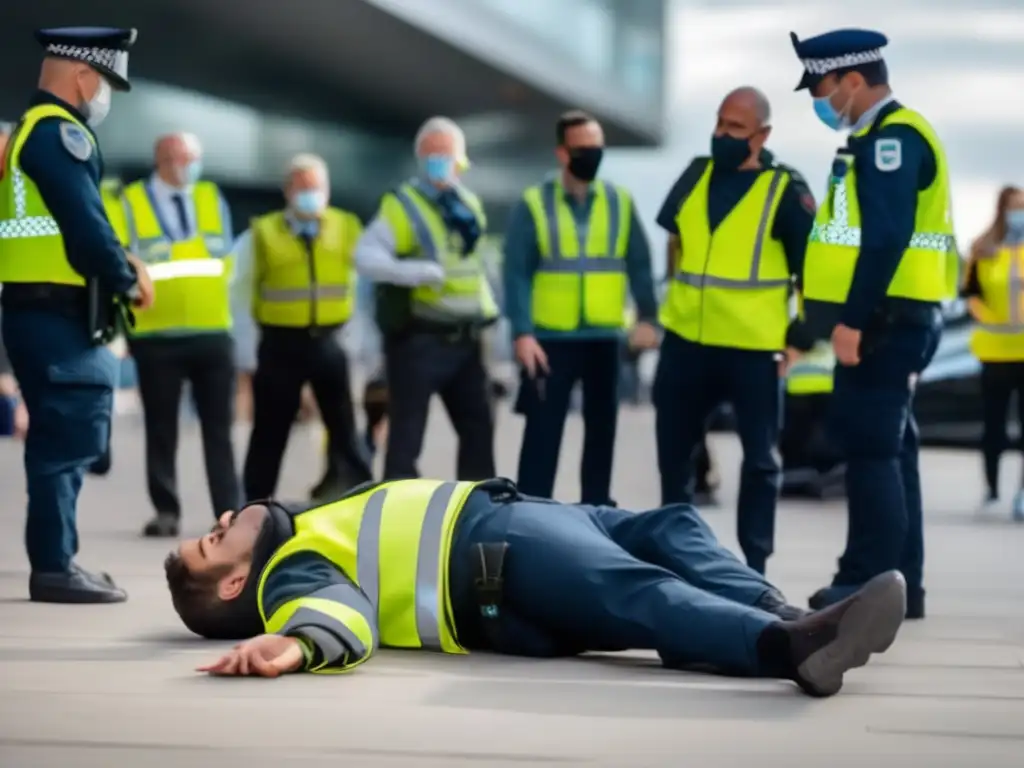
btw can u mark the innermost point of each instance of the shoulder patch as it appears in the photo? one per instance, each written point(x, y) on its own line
point(888, 154)
point(807, 203)
point(75, 141)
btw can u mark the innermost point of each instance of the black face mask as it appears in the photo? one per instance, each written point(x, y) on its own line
point(729, 152)
point(584, 162)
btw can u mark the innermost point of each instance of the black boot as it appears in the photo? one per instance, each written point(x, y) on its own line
point(73, 586)
point(816, 650)
point(915, 603)
point(163, 526)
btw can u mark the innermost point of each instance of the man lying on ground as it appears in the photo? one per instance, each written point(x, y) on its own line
point(451, 567)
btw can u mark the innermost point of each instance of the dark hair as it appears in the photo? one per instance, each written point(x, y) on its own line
point(996, 232)
point(195, 599)
point(571, 119)
point(873, 72)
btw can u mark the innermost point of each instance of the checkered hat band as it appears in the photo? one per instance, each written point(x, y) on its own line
point(111, 58)
point(824, 66)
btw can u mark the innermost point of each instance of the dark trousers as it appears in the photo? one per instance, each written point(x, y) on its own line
point(874, 425)
point(68, 388)
point(286, 359)
point(583, 578)
point(206, 362)
point(999, 381)
point(420, 365)
point(806, 442)
point(545, 403)
point(691, 380)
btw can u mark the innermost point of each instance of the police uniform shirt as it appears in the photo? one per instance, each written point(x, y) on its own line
point(65, 163)
point(522, 260)
point(793, 219)
point(888, 183)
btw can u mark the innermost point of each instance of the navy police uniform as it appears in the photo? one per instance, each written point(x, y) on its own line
point(871, 415)
point(67, 377)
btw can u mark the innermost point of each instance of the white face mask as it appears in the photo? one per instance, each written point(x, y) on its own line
point(98, 107)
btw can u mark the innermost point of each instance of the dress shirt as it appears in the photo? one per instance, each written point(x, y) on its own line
point(163, 196)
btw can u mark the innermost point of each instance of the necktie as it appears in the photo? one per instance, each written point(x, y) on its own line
point(179, 206)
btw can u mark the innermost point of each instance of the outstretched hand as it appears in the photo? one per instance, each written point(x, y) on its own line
point(263, 656)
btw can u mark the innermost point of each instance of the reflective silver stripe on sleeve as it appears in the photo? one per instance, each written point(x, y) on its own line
point(752, 282)
point(303, 294)
point(307, 621)
point(368, 547)
point(1003, 328)
point(419, 226)
point(429, 600)
point(557, 262)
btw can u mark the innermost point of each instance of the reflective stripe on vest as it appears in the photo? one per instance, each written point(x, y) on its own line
point(731, 284)
point(581, 278)
point(700, 280)
point(394, 541)
point(465, 294)
point(194, 274)
point(304, 286)
point(1000, 338)
point(813, 373)
point(31, 247)
point(928, 267)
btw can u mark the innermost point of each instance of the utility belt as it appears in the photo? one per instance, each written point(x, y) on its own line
point(103, 314)
point(453, 333)
point(822, 317)
point(289, 334)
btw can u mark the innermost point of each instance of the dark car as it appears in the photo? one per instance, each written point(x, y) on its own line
point(948, 398)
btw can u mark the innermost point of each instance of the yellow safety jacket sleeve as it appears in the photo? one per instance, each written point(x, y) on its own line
point(309, 598)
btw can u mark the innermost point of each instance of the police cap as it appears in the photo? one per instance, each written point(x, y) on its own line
point(105, 49)
point(841, 49)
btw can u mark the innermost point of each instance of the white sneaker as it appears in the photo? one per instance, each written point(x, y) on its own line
point(1018, 507)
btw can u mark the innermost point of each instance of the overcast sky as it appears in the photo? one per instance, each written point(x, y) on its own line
point(959, 62)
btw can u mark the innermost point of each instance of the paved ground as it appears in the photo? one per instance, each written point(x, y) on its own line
point(99, 686)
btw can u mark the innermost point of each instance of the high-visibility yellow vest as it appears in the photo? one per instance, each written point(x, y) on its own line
point(928, 268)
point(999, 334)
point(298, 289)
point(394, 541)
point(421, 233)
point(113, 204)
point(31, 246)
point(731, 286)
point(812, 373)
point(190, 277)
point(571, 287)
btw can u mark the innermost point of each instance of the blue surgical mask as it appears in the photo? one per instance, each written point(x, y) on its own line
point(193, 171)
point(1015, 224)
point(309, 202)
point(439, 169)
point(828, 115)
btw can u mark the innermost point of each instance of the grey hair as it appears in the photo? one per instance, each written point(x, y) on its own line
point(307, 161)
point(762, 108)
point(443, 125)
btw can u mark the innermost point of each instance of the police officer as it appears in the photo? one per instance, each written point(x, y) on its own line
point(737, 224)
point(300, 264)
point(881, 257)
point(573, 244)
point(433, 301)
point(179, 225)
point(62, 267)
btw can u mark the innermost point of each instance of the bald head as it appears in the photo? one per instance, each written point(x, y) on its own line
point(742, 129)
point(178, 158)
point(73, 81)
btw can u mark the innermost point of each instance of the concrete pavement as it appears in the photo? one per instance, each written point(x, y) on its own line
point(105, 685)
